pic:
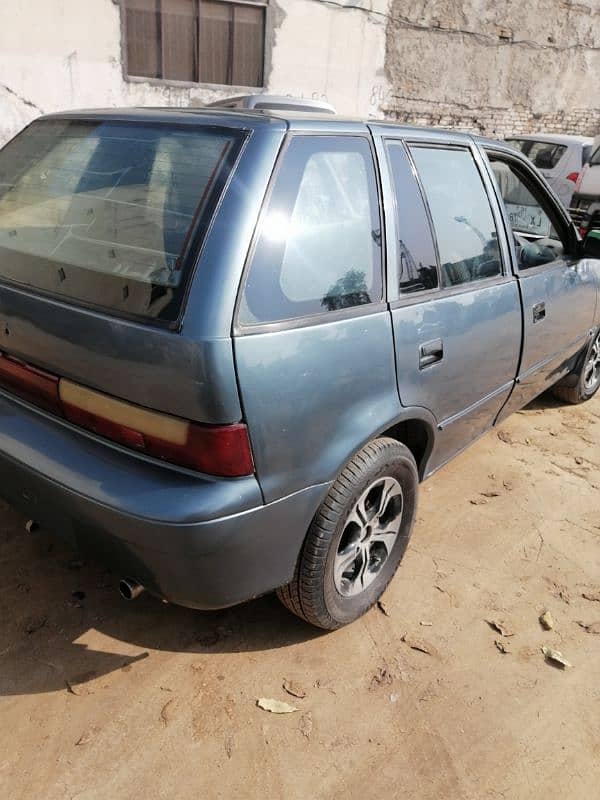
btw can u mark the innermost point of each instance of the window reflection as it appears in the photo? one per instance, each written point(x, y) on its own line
point(462, 217)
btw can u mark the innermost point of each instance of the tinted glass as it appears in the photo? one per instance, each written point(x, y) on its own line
point(319, 244)
point(462, 218)
point(595, 159)
point(102, 212)
point(545, 155)
point(519, 144)
point(586, 152)
point(417, 268)
point(535, 238)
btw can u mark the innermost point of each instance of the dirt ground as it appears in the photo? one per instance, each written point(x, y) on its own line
point(104, 699)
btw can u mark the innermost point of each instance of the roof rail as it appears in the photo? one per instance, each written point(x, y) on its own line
point(273, 102)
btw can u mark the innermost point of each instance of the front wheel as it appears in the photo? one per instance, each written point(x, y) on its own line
point(583, 384)
point(357, 538)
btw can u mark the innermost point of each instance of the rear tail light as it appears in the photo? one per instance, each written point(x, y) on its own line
point(573, 176)
point(222, 450)
point(30, 383)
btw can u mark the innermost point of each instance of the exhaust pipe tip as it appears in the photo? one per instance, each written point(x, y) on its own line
point(130, 589)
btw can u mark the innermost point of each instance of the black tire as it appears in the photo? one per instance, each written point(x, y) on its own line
point(576, 388)
point(312, 594)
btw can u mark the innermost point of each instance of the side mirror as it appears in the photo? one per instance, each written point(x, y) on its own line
point(591, 244)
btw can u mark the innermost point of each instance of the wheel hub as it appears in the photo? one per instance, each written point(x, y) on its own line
point(591, 372)
point(370, 532)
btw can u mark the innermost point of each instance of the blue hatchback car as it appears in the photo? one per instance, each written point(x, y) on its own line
point(234, 342)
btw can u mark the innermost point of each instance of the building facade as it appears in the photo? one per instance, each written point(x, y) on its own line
point(497, 68)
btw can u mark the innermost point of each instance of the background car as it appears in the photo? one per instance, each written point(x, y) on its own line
point(559, 157)
point(585, 205)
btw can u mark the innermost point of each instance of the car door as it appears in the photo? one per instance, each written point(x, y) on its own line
point(558, 289)
point(454, 302)
point(313, 337)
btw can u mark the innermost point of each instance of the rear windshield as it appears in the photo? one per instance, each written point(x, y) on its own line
point(595, 159)
point(545, 155)
point(110, 213)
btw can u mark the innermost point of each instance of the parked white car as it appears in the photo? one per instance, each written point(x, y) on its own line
point(585, 206)
point(559, 157)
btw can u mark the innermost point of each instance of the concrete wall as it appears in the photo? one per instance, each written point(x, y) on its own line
point(502, 67)
point(498, 67)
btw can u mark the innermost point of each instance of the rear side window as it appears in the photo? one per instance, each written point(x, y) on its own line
point(464, 226)
point(110, 213)
point(417, 268)
point(319, 242)
point(545, 155)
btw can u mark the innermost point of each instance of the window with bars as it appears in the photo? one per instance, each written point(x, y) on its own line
point(200, 41)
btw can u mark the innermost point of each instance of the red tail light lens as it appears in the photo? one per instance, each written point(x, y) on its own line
point(222, 450)
point(32, 384)
point(573, 176)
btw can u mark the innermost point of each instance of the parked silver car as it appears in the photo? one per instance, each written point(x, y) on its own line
point(559, 157)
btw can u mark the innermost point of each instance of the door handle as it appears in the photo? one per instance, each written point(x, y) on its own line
point(430, 353)
point(539, 312)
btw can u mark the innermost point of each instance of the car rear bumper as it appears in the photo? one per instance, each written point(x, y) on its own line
point(192, 540)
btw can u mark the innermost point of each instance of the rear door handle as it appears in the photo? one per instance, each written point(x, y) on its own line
point(539, 312)
point(430, 353)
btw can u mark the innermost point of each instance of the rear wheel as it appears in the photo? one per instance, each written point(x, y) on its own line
point(582, 385)
point(357, 538)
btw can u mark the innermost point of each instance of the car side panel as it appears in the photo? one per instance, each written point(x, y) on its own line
point(481, 333)
point(313, 395)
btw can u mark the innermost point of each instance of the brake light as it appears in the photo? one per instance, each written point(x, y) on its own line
point(32, 384)
point(573, 176)
point(222, 450)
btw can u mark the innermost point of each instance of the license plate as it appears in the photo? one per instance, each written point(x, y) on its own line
point(528, 219)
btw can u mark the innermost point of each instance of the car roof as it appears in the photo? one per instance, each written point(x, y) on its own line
point(552, 138)
point(248, 118)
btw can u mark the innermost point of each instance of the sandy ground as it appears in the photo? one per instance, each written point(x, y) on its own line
point(104, 699)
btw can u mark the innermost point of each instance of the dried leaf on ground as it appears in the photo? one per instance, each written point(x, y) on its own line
point(556, 658)
point(383, 607)
point(500, 627)
point(305, 725)
point(508, 486)
point(293, 689)
point(592, 596)
point(275, 706)
point(165, 712)
point(546, 620)
point(425, 624)
point(383, 677)
point(85, 738)
point(490, 494)
point(592, 627)
point(505, 437)
point(416, 644)
point(501, 646)
point(478, 501)
point(578, 460)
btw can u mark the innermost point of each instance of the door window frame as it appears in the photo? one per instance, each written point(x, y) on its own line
point(488, 185)
point(306, 320)
point(559, 219)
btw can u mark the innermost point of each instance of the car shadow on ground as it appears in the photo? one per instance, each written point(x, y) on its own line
point(62, 621)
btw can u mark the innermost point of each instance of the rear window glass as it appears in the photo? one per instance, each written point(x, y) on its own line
point(110, 213)
point(319, 243)
point(545, 155)
point(595, 159)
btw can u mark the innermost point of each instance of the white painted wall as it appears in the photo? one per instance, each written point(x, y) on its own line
point(64, 54)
